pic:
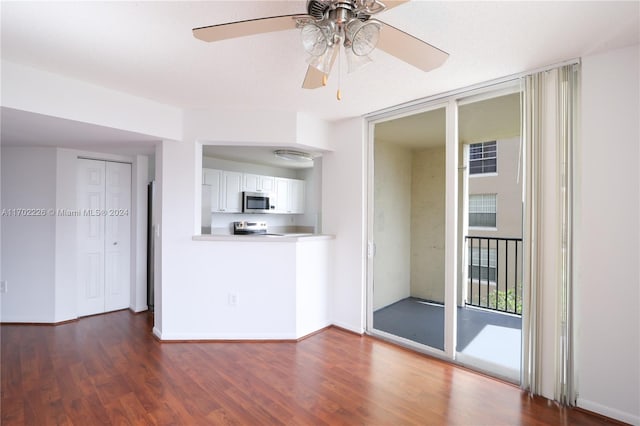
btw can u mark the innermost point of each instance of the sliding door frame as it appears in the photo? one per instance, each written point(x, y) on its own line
point(450, 101)
point(372, 121)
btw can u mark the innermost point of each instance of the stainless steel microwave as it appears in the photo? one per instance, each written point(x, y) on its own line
point(258, 202)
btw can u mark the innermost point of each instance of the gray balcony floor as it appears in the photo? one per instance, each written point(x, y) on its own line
point(488, 340)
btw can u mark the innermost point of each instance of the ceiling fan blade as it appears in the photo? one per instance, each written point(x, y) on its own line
point(410, 49)
point(246, 28)
point(313, 78)
point(393, 3)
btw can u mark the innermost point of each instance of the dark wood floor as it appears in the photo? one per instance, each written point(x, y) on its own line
point(108, 369)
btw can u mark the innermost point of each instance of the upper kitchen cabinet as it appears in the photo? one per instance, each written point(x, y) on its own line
point(289, 195)
point(259, 183)
point(225, 189)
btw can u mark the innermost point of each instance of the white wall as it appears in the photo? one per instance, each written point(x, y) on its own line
point(139, 180)
point(312, 132)
point(313, 272)
point(28, 242)
point(312, 196)
point(29, 89)
point(608, 255)
point(343, 209)
point(66, 293)
point(157, 229)
point(246, 127)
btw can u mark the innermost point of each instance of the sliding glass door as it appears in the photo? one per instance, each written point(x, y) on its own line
point(445, 229)
point(408, 283)
point(489, 311)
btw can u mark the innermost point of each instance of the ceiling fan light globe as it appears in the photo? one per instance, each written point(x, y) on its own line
point(356, 62)
point(323, 62)
point(314, 41)
point(363, 36)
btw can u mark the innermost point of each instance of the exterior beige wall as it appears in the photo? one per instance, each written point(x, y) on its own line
point(508, 186)
point(392, 224)
point(428, 224)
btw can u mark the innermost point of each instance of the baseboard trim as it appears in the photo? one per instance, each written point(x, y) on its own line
point(50, 324)
point(63, 322)
point(313, 333)
point(158, 336)
point(345, 330)
point(603, 410)
point(347, 327)
point(104, 313)
point(228, 341)
point(139, 309)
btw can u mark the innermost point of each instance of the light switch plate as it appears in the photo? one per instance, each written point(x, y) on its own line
point(3, 286)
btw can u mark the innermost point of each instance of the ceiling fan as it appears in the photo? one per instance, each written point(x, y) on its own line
point(330, 24)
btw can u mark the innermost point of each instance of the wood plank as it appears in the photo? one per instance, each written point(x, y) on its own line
point(109, 369)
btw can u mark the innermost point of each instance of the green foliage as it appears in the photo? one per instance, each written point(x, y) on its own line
point(497, 299)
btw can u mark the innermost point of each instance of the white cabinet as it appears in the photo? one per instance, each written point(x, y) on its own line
point(258, 183)
point(225, 189)
point(222, 190)
point(282, 195)
point(296, 196)
point(289, 196)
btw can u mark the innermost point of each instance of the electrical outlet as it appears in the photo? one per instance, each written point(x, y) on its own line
point(3, 286)
point(232, 299)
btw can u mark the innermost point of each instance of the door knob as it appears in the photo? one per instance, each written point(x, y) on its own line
point(115, 243)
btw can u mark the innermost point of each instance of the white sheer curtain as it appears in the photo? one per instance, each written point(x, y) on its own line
point(550, 117)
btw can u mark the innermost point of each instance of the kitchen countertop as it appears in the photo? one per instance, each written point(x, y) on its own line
point(290, 237)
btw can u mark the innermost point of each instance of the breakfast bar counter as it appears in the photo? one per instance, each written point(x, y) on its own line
point(262, 238)
point(255, 287)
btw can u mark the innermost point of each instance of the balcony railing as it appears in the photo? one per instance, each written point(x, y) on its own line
point(495, 273)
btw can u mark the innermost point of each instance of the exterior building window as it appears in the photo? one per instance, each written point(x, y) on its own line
point(482, 210)
point(483, 158)
point(481, 267)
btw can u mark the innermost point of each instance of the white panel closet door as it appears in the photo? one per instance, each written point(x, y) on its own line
point(91, 194)
point(117, 236)
point(104, 225)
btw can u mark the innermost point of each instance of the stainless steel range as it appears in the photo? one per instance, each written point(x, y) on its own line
point(249, 228)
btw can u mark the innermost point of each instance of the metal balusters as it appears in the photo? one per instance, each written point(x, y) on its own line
point(493, 269)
